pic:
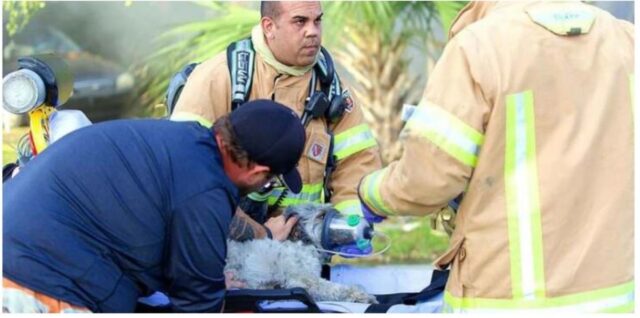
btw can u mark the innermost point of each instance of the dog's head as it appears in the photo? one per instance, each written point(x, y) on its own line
point(310, 222)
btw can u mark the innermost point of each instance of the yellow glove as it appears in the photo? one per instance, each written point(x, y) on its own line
point(446, 217)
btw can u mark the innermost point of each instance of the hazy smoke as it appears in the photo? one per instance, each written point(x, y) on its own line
point(116, 31)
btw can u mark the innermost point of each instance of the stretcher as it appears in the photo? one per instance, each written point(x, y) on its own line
point(399, 289)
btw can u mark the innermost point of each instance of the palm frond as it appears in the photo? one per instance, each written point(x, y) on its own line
point(447, 12)
point(369, 39)
point(191, 42)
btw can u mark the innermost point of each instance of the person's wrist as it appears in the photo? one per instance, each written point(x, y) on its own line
point(371, 216)
point(367, 212)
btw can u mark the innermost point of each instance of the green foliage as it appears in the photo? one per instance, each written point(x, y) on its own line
point(192, 42)
point(8, 154)
point(412, 241)
point(18, 13)
point(410, 21)
point(381, 18)
point(10, 141)
point(447, 12)
point(197, 41)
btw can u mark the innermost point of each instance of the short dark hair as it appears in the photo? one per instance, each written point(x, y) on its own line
point(270, 9)
point(223, 128)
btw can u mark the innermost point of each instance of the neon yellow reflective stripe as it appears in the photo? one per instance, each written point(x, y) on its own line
point(535, 217)
point(449, 133)
point(353, 140)
point(184, 116)
point(523, 206)
point(446, 306)
point(309, 193)
point(255, 196)
point(291, 201)
point(349, 207)
point(371, 192)
point(626, 308)
point(618, 297)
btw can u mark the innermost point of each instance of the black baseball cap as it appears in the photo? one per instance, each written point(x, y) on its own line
point(273, 136)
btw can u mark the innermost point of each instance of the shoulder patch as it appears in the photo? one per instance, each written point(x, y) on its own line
point(316, 151)
point(348, 101)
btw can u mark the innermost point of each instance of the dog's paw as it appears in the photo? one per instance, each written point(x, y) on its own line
point(232, 281)
point(357, 295)
point(369, 299)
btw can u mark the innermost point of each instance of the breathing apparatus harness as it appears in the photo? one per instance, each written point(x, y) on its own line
point(329, 103)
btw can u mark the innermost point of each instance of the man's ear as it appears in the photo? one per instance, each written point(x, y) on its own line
point(256, 169)
point(222, 146)
point(268, 26)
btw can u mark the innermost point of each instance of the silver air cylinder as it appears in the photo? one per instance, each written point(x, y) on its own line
point(22, 91)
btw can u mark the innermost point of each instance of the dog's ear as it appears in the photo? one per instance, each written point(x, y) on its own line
point(298, 233)
point(289, 211)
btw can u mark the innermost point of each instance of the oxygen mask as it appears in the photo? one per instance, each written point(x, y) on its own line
point(331, 232)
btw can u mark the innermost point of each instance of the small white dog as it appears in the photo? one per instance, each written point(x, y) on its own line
point(269, 264)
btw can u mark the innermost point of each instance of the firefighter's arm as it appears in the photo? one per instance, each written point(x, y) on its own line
point(357, 154)
point(441, 140)
point(206, 94)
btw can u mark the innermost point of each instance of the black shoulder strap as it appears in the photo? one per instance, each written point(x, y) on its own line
point(437, 285)
point(176, 84)
point(240, 60)
point(326, 74)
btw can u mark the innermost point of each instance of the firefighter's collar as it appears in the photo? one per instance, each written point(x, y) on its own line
point(566, 18)
point(563, 18)
point(260, 45)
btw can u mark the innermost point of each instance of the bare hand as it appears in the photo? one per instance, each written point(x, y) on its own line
point(231, 283)
point(281, 228)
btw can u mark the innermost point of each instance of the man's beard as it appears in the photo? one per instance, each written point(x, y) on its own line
point(246, 189)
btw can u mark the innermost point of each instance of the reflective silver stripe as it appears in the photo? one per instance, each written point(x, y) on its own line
point(309, 193)
point(349, 207)
point(353, 140)
point(449, 133)
point(185, 116)
point(522, 198)
point(619, 298)
point(371, 194)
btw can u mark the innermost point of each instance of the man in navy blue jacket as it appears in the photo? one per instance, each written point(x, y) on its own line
point(117, 210)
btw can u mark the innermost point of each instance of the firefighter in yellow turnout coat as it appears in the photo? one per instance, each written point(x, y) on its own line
point(282, 72)
point(528, 114)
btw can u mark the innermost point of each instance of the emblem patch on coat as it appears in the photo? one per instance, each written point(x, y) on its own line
point(348, 101)
point(316, 151)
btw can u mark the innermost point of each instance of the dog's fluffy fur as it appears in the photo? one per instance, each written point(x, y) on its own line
point(269, 264)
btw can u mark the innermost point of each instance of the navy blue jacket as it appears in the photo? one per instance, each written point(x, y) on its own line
point(117, 210)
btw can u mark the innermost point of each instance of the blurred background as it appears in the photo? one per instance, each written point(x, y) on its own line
point(123, 54)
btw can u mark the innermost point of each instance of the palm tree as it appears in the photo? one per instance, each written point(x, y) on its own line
point(377, 37)
point(17, 14)
point(192, 42)
point(370, 40)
